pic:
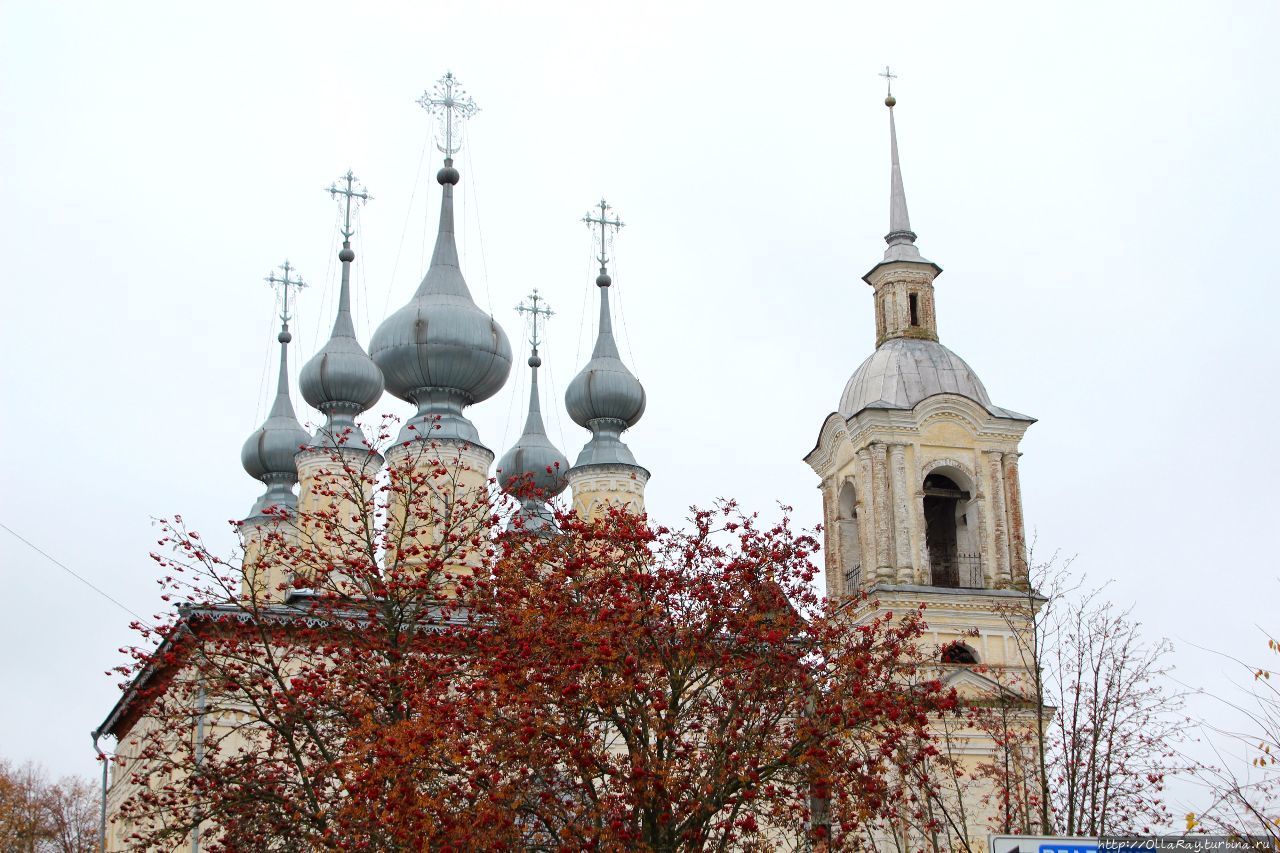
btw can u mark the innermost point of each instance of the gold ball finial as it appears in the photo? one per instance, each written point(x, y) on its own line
point(890, 101)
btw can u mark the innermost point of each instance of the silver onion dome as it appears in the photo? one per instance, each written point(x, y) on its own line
point(441, 352)
point(605, 397)
point(534, 469)
point(341, 380)
point(268, 453)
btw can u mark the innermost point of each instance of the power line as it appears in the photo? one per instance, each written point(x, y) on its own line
point(68, 570)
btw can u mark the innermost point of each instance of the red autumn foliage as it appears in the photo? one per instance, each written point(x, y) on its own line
point(614, 685)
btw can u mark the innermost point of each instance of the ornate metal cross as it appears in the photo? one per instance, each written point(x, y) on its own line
point(534, 313)
point(284, 284)
point(349, 193)
point(889, 77)
point(448, 100)
point(605, 223)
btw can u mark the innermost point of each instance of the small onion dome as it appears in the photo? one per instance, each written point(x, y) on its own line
point(341, 380)
point(268, 453)
point(533, 460)
point(605, 389)
point(441, 352)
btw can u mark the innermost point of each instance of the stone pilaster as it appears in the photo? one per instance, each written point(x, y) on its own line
point(902, 524)
point(866, 516)
point(999, 517)
point(980, 515)
point(1013, 504)
point(831, 537)
point(924, 571)
point(884, 522)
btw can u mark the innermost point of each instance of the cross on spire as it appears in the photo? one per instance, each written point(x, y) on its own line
point(889, 77)
point(605, 223)
point(534, 312)
point(348, 192)
point(284, 283)
point(451, 103)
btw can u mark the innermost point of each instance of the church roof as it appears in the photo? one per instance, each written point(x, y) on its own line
point(904, 371)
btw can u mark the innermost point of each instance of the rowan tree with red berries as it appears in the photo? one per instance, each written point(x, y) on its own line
point(425, 676)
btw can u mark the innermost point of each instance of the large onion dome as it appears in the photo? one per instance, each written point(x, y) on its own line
point(268, 453)
point(605, 397)
point(441, 352)
point(534, 468)
point(341, 380)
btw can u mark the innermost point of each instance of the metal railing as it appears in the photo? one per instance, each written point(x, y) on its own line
point(963, 571)
point(852, 577)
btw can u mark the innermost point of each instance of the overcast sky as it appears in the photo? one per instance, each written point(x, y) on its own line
point(1097, 179)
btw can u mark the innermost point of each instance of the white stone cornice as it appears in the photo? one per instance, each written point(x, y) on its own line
point(908, 422)
point(833, 433)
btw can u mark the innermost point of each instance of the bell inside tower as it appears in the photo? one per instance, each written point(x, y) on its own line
point(949, 536)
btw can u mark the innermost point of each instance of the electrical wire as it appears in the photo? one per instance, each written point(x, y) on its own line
point(408, 214)
point(587, 323)
point(622, 316)
point(551, 397)
point(360, 299)
point(73, 574)
point(475, 205)
point(327, 290)
point(260, 410)
point(515, 391)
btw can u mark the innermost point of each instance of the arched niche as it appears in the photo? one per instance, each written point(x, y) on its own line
point(849, 537)
point(951, 529)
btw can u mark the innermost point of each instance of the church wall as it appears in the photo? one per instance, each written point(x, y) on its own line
point(597, 488)
point(450, 499)
point(339, 483)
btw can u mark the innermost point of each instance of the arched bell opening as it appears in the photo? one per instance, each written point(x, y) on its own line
point(951, 539)
point(850, 544)
point(960, 653)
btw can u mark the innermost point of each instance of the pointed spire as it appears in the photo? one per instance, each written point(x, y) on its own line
point(268, 454)
point(341, 380)
point(606, 346)
point(533, 424)
point(899, 219)
point(533, 463)
point(441, 352)
point(901, 238)
point(605, 397)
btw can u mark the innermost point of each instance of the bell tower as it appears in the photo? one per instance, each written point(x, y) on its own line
point(919, 468)
point(919, 476)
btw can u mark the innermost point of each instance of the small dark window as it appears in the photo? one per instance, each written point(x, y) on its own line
point(958, 653)
point(914, 299)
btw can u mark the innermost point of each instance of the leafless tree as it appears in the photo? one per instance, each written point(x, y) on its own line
point(1244, 784)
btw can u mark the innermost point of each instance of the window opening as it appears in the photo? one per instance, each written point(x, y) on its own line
point(958, 653)
point(850, 544)
point(953, 556)
point(914, 300)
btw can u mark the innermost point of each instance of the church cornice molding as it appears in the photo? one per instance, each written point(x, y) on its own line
point(901, 272)
point(959, 599)
point(833, 433)
point(977, 416)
